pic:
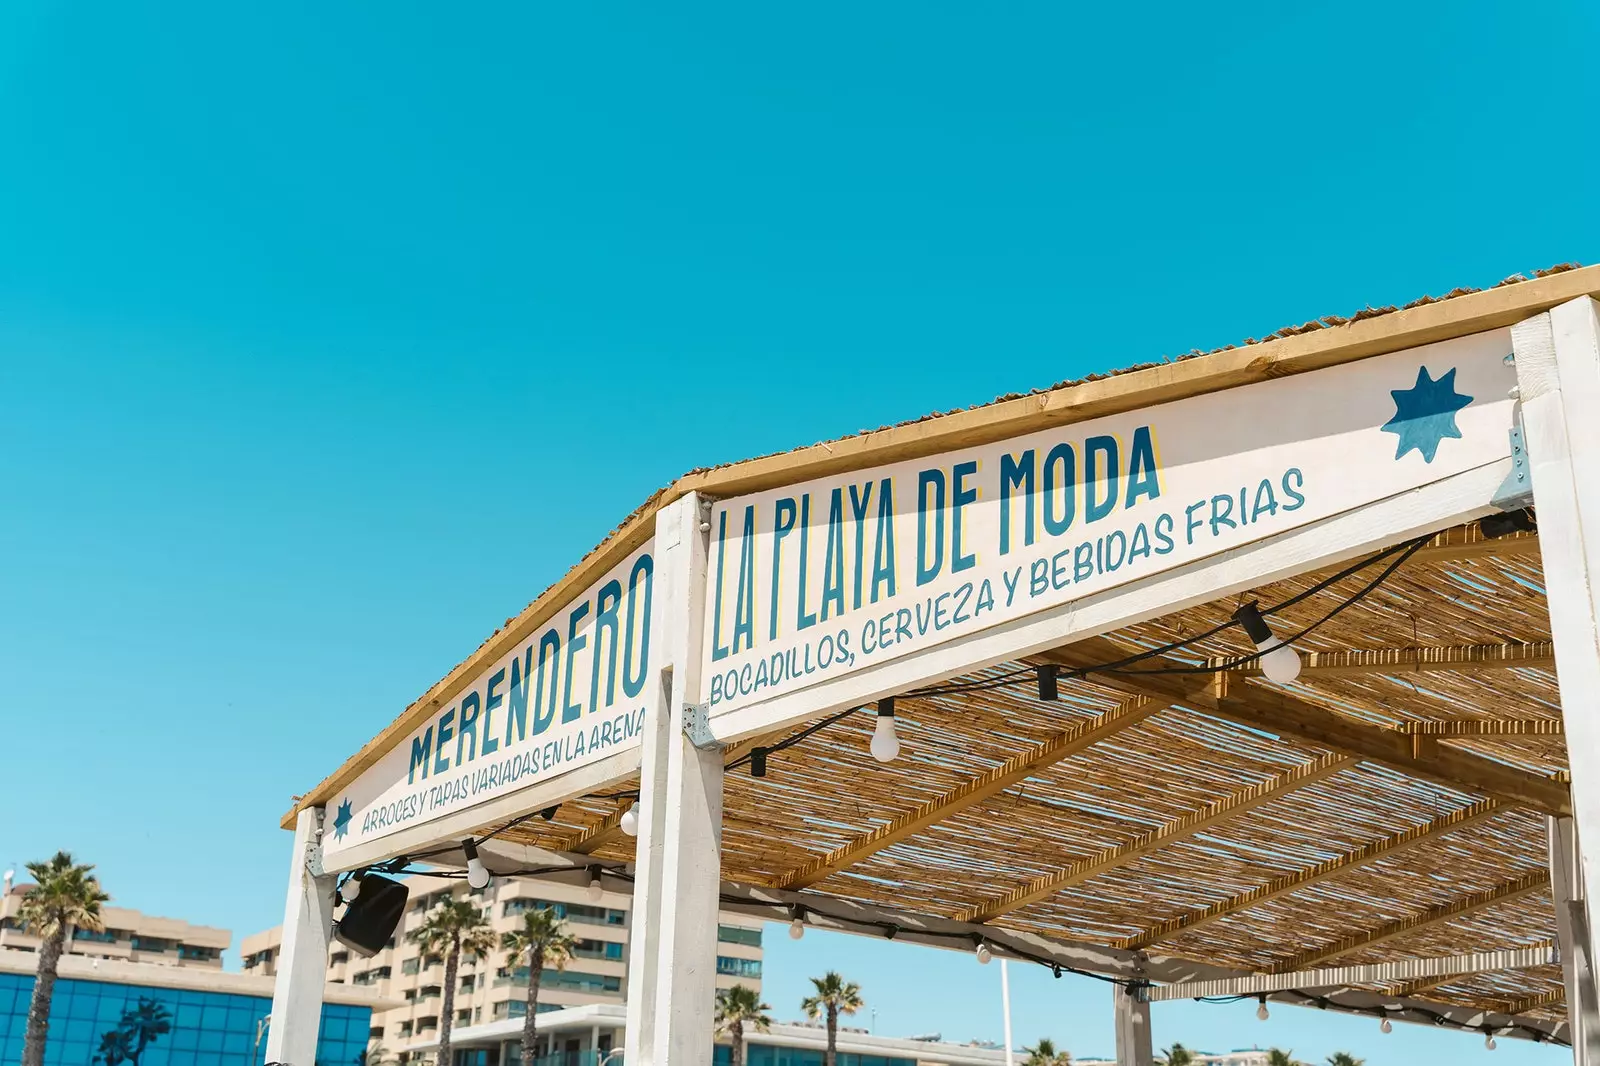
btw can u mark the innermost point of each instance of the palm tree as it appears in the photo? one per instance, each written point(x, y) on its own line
point(544, 941)
point(835, 996)
point(1344, 1058)
point(737, 1006)
point(1178, 1055)
point(452, 928)
point(376, 1055)
point(64, 894)
point(1044, 1053)
point(1279, 1057)
point(141, 1025)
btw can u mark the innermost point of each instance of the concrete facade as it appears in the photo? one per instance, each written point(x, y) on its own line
point(129, 936)
point(489, 990)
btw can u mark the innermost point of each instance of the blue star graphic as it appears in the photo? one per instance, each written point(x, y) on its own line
point(1425, 414)
point(341, 821)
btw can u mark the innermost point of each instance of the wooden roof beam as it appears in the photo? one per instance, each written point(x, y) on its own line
point(1083, 734)
point(1511, 890)
point(1458, 659)
point(1278, 711)
point(1411, 989)
point(1527, 1003)
point(1362, 856)
point(1468, 542)
point(1181, 828)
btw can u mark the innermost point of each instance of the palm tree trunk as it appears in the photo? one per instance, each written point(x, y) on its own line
point(530, 1023)
point(736, 1044)
point(448, 1008)
point(44, 990)
point(831, 1055)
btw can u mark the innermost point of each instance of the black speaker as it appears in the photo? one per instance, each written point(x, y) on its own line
point(372, 917)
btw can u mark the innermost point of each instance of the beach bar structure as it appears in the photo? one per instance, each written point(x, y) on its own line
point(1270, 672)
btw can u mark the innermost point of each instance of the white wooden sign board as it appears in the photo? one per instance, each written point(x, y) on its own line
point(568, 696)
point(813, 582)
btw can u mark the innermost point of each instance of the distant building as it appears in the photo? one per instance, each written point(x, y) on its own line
point(129, 936)
point(593, 1036)
point(179, 1015)
point(492, 991)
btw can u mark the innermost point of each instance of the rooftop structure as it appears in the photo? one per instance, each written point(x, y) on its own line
point(993, 680)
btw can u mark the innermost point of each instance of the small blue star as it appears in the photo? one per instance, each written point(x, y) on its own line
point(1425, 414)
point(341, 821)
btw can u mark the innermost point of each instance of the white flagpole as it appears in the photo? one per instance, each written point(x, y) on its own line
point(1005, 1003)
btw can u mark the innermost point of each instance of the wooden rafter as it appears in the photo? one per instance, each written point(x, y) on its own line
point(1278, 711)
point(1486, 727)
point(1527, 1003)
point(1411, 989)
point(1181, 828)
point(1362, 856)
point(1468, 542)
point(1455, 658)
point(1511, 890)
point(1018, 768)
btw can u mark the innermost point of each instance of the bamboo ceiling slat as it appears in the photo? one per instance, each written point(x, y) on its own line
point(1371, 862)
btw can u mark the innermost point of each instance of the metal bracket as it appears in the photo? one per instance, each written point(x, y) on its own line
point(697, 726)
point(314, 849)
point(1516, 491)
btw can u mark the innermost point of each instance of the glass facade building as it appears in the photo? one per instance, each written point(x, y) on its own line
point(103, 1023)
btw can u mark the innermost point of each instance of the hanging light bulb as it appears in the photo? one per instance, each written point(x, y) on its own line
point(351, 888)
point(797, 927)
point(983, 953)
point(1262, 1014)
point(477, 872)
point(885, 745)
point(596, 890)
point(1279, 662)
point(1384, 1026)
point(1488, 1041)
point(629, 822)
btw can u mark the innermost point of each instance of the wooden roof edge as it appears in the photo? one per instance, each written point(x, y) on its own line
point(1317, 349)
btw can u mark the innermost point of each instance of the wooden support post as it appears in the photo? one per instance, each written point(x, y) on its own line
point(1558, 377)
point(303, 959)
point(673, 968)
point(1133, 1028)
point(1572, 935)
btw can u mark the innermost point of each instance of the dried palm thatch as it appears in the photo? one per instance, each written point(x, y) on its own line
point(1121, 816)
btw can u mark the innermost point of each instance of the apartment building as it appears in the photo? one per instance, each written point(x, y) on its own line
point(493, 989)
point(129, 935)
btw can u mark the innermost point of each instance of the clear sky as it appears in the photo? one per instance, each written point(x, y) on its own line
point(331, 334)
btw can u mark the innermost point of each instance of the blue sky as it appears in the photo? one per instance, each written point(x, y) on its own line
point(331, 334)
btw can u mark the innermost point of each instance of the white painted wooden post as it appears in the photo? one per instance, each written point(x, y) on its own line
point(1558, 375)
point(303, 955)
point(672, 963)
point(1574, 941)
point(1133, 1028)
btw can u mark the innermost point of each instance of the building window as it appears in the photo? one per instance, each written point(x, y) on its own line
point(598, 949)
point(340, 957)
point(467, 983)
point(108, 936)
point(405, 1028)
point(371, 977)
point(411, 966)
point(730, 967)
point(428, 992)
point(577, 912)
point(375, 1033)
point(151, 944)
point(738, 934)
point(425, 1024)
point(198, 953)
point(464, 1017)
